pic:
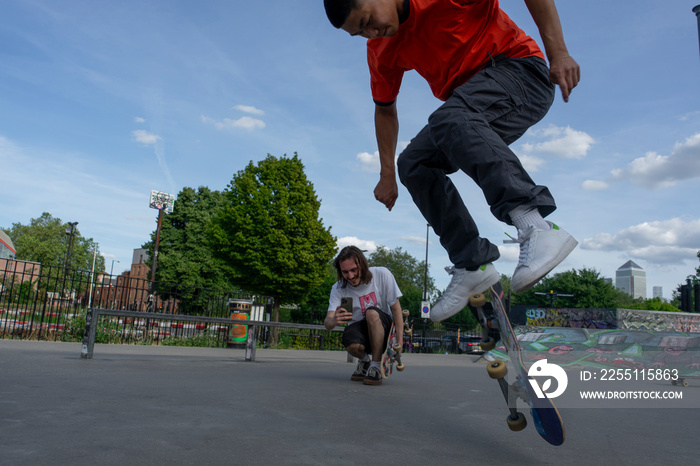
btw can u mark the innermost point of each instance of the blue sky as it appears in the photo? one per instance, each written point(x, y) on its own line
point(101, 102)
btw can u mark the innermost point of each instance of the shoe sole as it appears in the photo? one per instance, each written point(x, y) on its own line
point(569, 246)
point(372, 382)
point(480, 288)
point(355, 378)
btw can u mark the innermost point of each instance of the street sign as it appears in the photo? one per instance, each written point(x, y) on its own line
point(425, 309)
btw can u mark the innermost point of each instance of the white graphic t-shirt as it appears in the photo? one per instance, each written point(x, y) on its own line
point(381, 292)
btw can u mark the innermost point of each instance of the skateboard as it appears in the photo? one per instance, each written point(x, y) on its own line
point(683, 380)
point(392, 354)
point(494, 323)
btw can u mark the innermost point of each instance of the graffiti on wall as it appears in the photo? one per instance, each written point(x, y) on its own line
point(576, 318)
point(658, 321)
point(619, 348)
point(611, 338)
point(614, 318)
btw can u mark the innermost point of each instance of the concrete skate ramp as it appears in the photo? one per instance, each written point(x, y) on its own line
point(620, 338)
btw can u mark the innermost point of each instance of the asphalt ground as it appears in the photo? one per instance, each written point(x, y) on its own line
point(166, 405)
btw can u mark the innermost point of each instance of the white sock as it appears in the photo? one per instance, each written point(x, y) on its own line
point(524, 217)
point(366, 358)
point(377, 364)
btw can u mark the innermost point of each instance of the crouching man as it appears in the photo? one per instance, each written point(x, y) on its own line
point(375, 305)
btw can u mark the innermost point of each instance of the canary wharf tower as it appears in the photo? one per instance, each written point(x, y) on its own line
point(632, 279)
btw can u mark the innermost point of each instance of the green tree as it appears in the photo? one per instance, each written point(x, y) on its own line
point(315, 305)
point(588, 288)
point(184, 255)
point(676, 295)
point(654, 304)
point(268, 233)
point(409, 274)
point(46, 239)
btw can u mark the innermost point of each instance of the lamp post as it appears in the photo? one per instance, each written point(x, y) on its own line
point(163, 202)
point(92, 275)
point(425, 273)
point(70, 232)
point(425, 304)
point(109, 288)
point(696, 10)
point(112, 270)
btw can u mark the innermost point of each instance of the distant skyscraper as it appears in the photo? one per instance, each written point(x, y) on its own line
point(657, 292)
point(632, 279)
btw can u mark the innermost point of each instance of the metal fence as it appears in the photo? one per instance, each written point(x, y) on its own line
point(39, 302)
point(49, 303)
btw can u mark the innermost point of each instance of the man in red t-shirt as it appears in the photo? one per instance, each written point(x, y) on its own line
point(495, 84)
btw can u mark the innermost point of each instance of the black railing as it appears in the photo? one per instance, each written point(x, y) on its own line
point(49, 303)
point(42, 302)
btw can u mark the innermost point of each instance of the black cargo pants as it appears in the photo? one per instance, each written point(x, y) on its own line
point(471, 132)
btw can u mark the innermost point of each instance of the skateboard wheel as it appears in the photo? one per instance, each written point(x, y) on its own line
point(408, 331)
point(477, 300)
point(488, 344)
point(405, 313)
point(400, 367)
point(517, 424)
point(497, 369)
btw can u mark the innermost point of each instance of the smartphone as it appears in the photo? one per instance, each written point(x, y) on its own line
point(346, 303)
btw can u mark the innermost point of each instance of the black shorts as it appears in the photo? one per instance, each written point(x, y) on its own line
point(357, 332)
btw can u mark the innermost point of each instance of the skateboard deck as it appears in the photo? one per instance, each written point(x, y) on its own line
point(492, 315)
point(391, 355)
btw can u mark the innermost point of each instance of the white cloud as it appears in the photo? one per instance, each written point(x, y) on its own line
point(530, 163)
point(74, 187)
point(662, 242)
point(149, 139)
point(139, 120)
point(657, 171)
point(509, 253)
point(145, 137)
point(689, 116)
point(249, 109)
point(594, 185)
point(365, 245)
point(415, 240)
point(561, 142)
point(245, 123)
point(369, 162)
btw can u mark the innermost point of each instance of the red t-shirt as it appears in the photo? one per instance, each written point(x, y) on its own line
point(446, 42)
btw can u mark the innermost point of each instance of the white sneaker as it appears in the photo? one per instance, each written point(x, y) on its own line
point(464, 283)
point(540, 251)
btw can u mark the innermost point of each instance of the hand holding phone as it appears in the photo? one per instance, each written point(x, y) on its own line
point(344, 312)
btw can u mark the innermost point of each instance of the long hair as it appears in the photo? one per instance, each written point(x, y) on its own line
point(352, 252)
